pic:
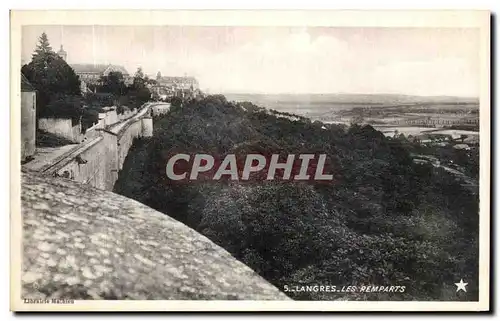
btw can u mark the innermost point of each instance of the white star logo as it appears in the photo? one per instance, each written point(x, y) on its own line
point(461, 285)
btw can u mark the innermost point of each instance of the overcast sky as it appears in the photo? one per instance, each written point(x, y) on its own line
point(282, 60)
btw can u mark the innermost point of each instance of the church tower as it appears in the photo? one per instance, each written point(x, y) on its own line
point(61, 53)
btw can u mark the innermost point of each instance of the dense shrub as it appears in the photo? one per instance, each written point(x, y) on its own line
point(64, 106)
point(99, 100)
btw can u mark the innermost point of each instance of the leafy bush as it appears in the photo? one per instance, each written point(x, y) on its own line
point(175, 103)
point(63, 106)
point(99, 100)
point(89, 118)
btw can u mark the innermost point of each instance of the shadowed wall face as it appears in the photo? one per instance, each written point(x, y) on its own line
point(28, 123)
point(126, 138)
point(61, 127)
point(90, 166)
point(147, 127)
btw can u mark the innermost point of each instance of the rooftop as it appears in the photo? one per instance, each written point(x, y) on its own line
point(97, 68)
point(25, 84)
point(176, 79)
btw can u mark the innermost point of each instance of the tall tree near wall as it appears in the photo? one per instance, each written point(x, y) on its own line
point(43, 47)
point(52, 77)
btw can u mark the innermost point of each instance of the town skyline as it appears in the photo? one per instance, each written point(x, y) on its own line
point(282, 60)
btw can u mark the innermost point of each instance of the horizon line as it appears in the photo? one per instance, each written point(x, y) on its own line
point(338, 93)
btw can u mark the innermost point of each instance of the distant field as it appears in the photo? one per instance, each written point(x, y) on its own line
point(321, 103)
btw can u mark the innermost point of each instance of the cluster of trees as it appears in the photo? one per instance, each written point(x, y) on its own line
point(384, 221)
point(112, 90)
point(59, 92)
point(114, 85)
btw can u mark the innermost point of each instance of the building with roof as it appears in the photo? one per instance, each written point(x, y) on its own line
point(28, 119)
point(92, 73)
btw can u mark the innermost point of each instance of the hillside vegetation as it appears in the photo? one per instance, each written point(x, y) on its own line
point(383, 221)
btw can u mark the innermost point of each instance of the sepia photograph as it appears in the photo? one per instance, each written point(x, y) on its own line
point(250, 161)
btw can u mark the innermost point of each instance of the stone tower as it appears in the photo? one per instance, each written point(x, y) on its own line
point(61, 53)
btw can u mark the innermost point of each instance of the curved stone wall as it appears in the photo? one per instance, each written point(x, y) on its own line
point(80, 242)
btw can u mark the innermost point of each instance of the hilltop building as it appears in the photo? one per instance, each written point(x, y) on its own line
point(91, 73)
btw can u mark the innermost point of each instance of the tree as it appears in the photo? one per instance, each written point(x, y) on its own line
point(43, 46)
point(139, 74)
point(113, 83)
point(139, 90)
point(175, 103)
point(50, 75)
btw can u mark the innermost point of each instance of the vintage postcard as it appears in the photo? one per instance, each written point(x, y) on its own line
point(250, 160)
